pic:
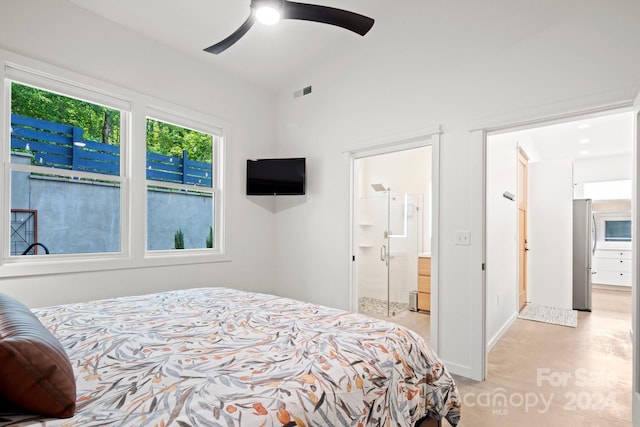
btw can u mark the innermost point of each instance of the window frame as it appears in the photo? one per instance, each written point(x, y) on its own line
point(134, 109)
point(65, 88)
point(193, 122)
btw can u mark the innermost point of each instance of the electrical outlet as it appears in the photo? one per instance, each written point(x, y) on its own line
point(463, 238)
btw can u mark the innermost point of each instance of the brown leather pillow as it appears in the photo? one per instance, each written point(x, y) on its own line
point(35, 372)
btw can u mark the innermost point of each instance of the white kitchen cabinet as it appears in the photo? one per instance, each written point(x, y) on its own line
point(612, 267)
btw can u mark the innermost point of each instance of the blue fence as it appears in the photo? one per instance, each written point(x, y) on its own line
point(62, 146)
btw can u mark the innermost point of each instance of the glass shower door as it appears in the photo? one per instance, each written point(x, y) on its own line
point(402, 241)
point(388, 254)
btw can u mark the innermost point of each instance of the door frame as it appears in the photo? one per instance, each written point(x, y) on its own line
point(522, 229)
point(417, 139)
point(635, 269)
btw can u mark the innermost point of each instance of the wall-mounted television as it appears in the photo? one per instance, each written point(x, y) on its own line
point(272, 177)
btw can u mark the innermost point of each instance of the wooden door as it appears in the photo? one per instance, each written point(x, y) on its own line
point(522, 229)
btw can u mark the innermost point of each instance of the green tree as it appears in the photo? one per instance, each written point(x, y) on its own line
point(171, 140)
point(101, 124)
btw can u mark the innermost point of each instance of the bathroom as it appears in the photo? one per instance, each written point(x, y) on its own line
point(392, 229)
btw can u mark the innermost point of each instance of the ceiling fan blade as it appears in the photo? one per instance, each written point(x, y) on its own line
point(327, 15)
point(234, 37)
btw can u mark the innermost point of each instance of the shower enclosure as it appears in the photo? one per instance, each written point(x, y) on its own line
point(388, 233)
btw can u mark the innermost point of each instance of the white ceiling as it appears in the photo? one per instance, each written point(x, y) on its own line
point(600, 136)
point(268, 56)
point(273, 56)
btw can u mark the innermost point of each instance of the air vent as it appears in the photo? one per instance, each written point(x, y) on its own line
point(302, 92)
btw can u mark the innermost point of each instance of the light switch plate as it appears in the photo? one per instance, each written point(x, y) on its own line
point(463, 238)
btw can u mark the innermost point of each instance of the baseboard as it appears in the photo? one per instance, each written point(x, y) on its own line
point(460, 370)
point(494, 340)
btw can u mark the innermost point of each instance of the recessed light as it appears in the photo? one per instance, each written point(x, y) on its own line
point(584, 141)
point(584, 152)
point(584, 126)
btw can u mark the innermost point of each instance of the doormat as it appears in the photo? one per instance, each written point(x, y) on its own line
point(553, 315)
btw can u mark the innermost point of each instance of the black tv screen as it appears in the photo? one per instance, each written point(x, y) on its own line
point(276, 177)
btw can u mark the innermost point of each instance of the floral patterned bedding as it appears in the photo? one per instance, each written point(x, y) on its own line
point(224, 357)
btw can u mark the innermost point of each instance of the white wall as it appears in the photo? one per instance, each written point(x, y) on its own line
point(448, 63)
point(598, 169)
point(550, 234)
point(405, 172)
point(63, 35)
point(502, 236)
point(371, 214)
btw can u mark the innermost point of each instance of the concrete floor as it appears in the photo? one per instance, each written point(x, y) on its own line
point(419, 322)
point(547, 375)
point(558, 376)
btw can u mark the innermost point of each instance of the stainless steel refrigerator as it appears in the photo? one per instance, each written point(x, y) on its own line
point(583, 248)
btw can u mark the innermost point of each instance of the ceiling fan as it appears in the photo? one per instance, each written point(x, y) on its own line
point(270, 11)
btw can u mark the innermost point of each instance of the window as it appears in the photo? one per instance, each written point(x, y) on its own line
point(65, 162)
point(617, 230)
point(89, 198)
point(181, 184)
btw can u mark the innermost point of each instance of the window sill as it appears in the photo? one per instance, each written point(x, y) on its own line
point(51, 264)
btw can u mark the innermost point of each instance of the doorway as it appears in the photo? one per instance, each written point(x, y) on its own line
point(394, 193)
point(392, 211)
point(570, 160)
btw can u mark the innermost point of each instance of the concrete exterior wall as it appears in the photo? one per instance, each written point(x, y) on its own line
point(169, 211)
point(20, 181)
point(84, 217)
point(75, 217)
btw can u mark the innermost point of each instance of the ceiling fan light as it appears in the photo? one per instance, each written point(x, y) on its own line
point(267, 15)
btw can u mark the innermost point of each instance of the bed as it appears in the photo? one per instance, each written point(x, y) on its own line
point(224, 357)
